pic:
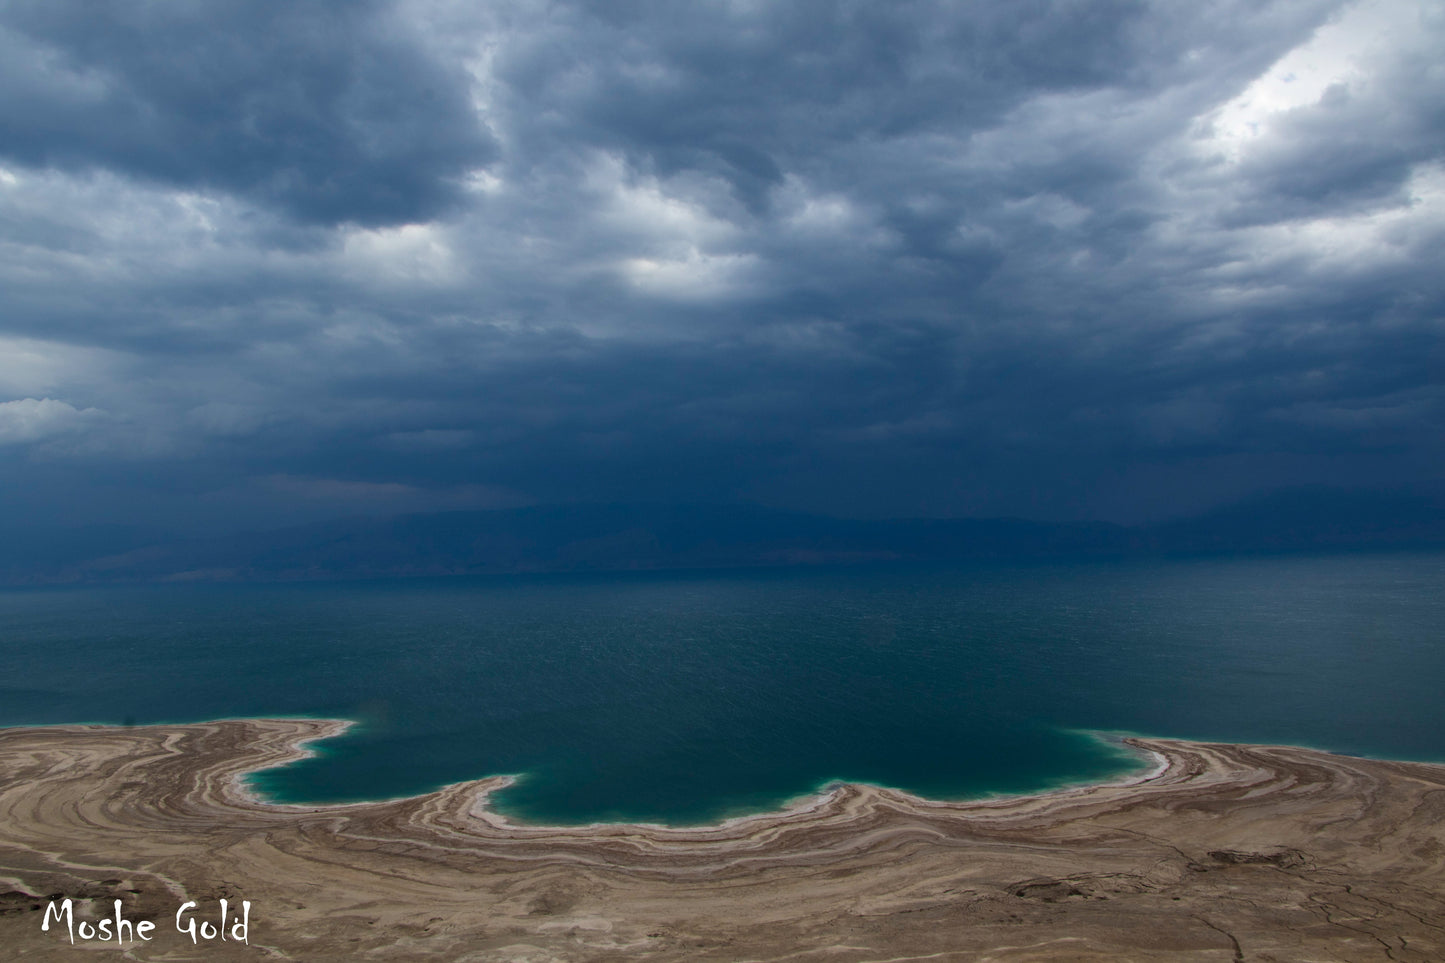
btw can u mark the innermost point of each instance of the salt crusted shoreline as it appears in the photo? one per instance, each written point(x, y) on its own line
point(1224, 852)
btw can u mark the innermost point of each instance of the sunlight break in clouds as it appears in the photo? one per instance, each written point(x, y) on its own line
point(1341, 54)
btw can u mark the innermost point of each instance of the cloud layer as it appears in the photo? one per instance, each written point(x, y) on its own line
point(1106, 259)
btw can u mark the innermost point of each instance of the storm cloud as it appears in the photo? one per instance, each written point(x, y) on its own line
point(264, 262)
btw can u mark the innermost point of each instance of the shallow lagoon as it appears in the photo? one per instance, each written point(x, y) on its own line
point(689, 697)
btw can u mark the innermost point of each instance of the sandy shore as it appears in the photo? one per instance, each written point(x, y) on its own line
point(1226, 853)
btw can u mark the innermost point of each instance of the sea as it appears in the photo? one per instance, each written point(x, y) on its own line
point(686, 698)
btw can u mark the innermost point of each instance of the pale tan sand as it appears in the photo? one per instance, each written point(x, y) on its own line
point(1228, 853)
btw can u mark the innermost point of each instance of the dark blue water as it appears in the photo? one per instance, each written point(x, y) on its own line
point(687, 698)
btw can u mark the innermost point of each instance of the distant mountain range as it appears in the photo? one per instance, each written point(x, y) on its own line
point(586, 538)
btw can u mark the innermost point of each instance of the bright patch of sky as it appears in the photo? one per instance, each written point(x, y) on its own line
point(1343, 55)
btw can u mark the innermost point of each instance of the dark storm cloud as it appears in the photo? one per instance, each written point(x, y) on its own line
point(1061, 259)
point(331, 111)
point(746, 93)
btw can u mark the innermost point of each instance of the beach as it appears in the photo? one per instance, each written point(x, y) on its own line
point(1222, 852)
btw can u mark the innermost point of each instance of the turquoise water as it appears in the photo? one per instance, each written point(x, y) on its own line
point(686, 698)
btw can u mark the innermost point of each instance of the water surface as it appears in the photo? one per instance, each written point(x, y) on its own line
point(686, 698)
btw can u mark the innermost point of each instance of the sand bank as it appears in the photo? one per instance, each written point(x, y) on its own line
point(1225, 852)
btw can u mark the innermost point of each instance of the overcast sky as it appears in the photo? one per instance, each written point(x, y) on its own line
point(269, 261)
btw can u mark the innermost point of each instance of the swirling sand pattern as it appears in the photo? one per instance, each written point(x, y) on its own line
point(1224, 852)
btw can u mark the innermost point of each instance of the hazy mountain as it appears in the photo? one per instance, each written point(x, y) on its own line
point(575, 538)
point(1301, 519)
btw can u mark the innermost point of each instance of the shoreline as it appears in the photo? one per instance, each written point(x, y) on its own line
point(301, 748)
point(1217, 851)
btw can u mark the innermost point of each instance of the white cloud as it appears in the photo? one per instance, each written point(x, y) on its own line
point(410, 254)
point(690, 275)
point(1342, 55)
point(36, 419)
point(646, 209)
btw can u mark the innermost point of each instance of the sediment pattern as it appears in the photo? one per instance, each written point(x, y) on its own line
point(1226, 852)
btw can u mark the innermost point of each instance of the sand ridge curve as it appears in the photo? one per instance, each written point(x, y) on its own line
point(1224, 852)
